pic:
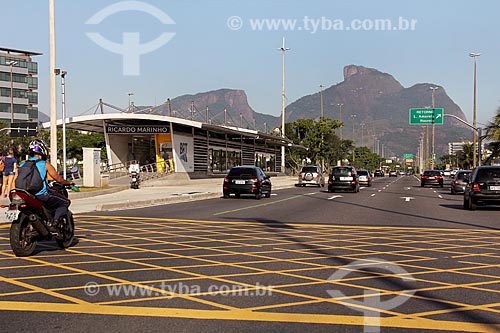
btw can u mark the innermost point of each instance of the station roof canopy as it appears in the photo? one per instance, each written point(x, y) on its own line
point(95, 123)
point(23, 52)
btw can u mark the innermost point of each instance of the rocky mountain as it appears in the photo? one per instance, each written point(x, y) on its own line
point(377, 105)
point(379, 102)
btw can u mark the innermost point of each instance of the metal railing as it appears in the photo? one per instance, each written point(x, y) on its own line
point(148, 171)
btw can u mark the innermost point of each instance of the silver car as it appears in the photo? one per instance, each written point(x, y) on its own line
point(458, 184)
point(312, 175)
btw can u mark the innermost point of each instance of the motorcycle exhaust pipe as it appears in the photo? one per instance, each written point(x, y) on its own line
point(40, 227)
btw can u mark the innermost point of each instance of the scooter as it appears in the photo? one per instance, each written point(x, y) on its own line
point(134, 180)
point(31, 222)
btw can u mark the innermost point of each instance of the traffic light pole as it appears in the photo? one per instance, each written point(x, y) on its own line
point(477, 130)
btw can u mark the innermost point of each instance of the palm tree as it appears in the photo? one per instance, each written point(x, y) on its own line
point(466, 156)
point(493, 133)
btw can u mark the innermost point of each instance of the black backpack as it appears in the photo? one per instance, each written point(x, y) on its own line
point(29, 178)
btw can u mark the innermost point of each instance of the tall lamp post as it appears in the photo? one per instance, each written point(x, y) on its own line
point(321, 100)
point(283, 49)
point(433, 156)
point(63, 98)
point(11, 64)
point(340, 109)
point(353, 116)
point(474, 56)
point(129, 102)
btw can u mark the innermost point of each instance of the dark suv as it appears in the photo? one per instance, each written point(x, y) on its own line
point(483, 187)
point(343, 178)
point(247, 180)
point(311, 174)
point(431, 177)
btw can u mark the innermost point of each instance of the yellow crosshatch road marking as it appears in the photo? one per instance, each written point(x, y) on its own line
point(455, 273)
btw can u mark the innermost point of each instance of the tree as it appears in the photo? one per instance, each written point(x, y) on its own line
point(466, 156)
point(493, 133)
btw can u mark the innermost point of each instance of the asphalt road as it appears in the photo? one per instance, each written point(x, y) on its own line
point(394, 257)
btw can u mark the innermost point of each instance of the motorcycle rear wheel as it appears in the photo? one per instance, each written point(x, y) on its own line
point(21, 242)
point(67, 232)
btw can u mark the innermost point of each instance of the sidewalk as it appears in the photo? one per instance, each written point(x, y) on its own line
point(153, 192)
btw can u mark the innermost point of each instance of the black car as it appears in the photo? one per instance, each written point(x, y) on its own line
point(483, 187)
point(247, 180)
point(343, 178)
point(431, 177)
point(378, 173)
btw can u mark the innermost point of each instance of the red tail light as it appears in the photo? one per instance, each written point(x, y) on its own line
point(255, 180)
point(438, 177)
point(330, 182)
point(425, 177)
point(23, 206)
point(226, 180)
point(456, 182)
point(475, 188)
point(353, 182)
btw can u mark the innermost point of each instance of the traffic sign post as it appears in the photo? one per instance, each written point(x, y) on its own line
point(426, 116)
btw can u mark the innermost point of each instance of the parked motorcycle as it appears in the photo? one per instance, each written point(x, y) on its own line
point(134, 180)
point(31, 222)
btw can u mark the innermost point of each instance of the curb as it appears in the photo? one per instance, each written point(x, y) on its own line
point(154, 202)
point(83, 195)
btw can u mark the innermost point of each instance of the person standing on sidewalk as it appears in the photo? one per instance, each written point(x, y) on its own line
point(10, 164)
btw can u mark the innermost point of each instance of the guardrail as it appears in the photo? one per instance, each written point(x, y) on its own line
point(148, 171)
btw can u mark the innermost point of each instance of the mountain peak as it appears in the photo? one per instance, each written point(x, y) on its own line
point(351, 70)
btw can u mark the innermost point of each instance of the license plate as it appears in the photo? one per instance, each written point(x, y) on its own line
point(345, 178)
point(239, 182)
point(432, 177)
point(12, 215)
point(494, 188)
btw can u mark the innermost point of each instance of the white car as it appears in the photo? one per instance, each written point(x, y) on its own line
point(311, 174)
point(447, 173)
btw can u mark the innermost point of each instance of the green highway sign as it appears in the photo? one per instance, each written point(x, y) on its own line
point(426, 116)
point(408, 155)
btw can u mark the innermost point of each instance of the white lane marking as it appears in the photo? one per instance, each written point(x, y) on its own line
point(373, 195)
point(407, 188)
point(335, 196)
point(440, 196)
point(407, 199)
point(434, 191)
point(273, 194)
point(380, 190)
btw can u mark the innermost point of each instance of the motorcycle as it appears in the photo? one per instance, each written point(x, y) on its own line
point(31, 222)
point(134, 180)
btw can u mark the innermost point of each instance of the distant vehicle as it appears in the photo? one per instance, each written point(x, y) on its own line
point(483, 187)
point(247, 180)
point(447, 173)
point(431, 177)
point(402, 173)
point(453, 172)
point(343, 178)
point(458, 183)
point(393, 173)
point(378, 173)
point(365, 177)
point(311, 174)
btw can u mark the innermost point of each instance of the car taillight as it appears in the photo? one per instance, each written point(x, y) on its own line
point(439, 177)
point(330, 182)
point(475, 188)
point(255, 180)
point(226, 180)
point(425, 177)
point(353, 182)
point(456, 182)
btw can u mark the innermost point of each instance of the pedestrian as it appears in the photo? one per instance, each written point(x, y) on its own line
point(166, 158)
point(2, 167)
point(10, 165)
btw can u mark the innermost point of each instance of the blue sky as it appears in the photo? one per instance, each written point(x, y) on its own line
point(205, 54)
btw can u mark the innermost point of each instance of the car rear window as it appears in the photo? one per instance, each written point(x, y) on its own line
point(341, 171)
point(243, 172)
point(363, 173)
point(484, 175)
point(309, 169)
point(461, 175)
point(432, 173)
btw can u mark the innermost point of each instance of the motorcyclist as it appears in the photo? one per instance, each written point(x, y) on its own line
point(38, 150)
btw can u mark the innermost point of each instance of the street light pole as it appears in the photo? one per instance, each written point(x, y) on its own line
point(474, 56)
point(11, 64)
point(53, 98)
point(321, 100)
point(353, 144)
point(340, 107)
point(63, 93)
point(129, 102)
point(283, 49)
point(433, 156)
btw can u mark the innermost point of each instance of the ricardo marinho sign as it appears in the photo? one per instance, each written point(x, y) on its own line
point(137, 129)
